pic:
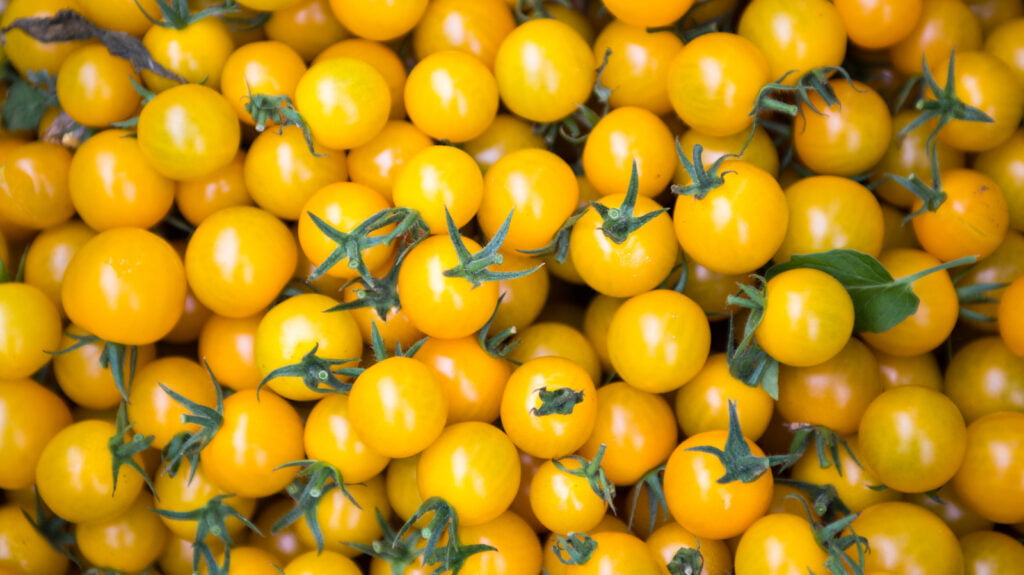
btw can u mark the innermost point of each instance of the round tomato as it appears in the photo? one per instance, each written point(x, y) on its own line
point(439, 179)
point(714, 82)
point(549, 407)
point(24, 431)
point(538, 188)
point(321, 563)
point(74, 478)
point(451, 95)
point(199, 198)
point(944, 25)
point(258, 434)
point(701, 504)
point(129, 542)
point(473, 380)
point(703, 403)
point(779, 544)
point(308, 27)
point(26, 53)
point(563, 501)
point(830, 212)
point(196, 52)
point(905, 538)
point(125, 285)
point(795, 37)
point(991, 477)
point(984, 82)
point(228, 347)
point(238, 260)
point(544, 70)
point(874, 25)
point(637, 428)
point(972, 221)
point(35, 186)
point(984, 377)
point(94, 87)
point(554, 338)
point(328, 436)
point(913, 438)
point(625, 138)
point(397, 407)
point(475, 27)
point(281, 174)
point(738, 226)
point(377, 163)
point(188, 131)
point(379, 19)
point(269, 68)
point(633, 266)
point(517, 549)
point(383, 58)
point(638, 67)
point(659, 340)
point(847, 138)
point(855, 484)
point(30, 330)
point(808, 317)
point(344, 101)
point(473, 466)
point(344, 521)
point(23, 549)
point(618, 553)
point(153, 411)
point(990, 552)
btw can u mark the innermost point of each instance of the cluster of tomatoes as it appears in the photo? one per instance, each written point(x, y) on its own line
point(499, 287)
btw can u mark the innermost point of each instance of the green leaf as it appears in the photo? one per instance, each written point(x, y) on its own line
point(26, 103)
point(879, 301)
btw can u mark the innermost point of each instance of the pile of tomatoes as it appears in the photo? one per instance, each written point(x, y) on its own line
point(499, 287)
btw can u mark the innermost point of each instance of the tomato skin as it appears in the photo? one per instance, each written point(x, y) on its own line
point(397, 407)
point(440, 306)
point(451, 95)
point(518, 549)
point(714, 82)
point(845, 139)
point(345, 101)
point(379, 20)
point(344, 206)
point(738, 226)
point(94, 87)
point(633, 267)
point(618, 553)
point(625, 136)
point(808, 317)
point(905, 538)
point(125, 285)
point(990, 552)
point(267, 67)
point(258, 435)
point(847, 216)
point(1009, 316)
point(638, 67)
point(705, 507)
point(342, 521)
point(281, 175)
point(308, 27)
point(876, 25)
point(989, 481)
point(638, 429)
point(328, 436)
point(30, 325)
point(196, 52)
point(34, 186)
point(74, 477)
point(292, 328)
point(129, 542)
point(522, 299)
point(544, 69)
point(473, 380)
point(471, 26)
point(984, 82)
point(834, 393)
point(936, 313)
point(228, 346)
point(238, 260)
point(972, 221)
point(124, 15)
point(321, 563)
point(795, 36)
point(475, 467)
point(922, 370)
point(908, 154)
point(436, 179)
point(563, 502)
point(377, 163)
point(112, 186)
point(951, 509)
point(913, 438)
point(1003, 164)
point(26, 53)
point(23, 549)
point(855, 484)
point(23, 434)
point(188, 131)
point(383, 58)
point(554, 338)
point(538, 188)
point(553, 435)
point(661, 14)
point(944, 25)
point(153, 411)
point(657, 341)
point(984, 377)
point(779, 544)
point(182, 493)
point(703, 403)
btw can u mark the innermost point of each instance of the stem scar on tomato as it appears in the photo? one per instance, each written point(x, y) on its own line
point(317, 373)
point(124, 450)
point(211, 519)
point(474, 267)
point(574, 548)
point(112, 358)
point(188, 445)
point(619, 223)
point(739, 462)
point(454, 554)
point(591, 471)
